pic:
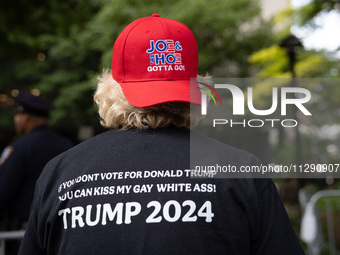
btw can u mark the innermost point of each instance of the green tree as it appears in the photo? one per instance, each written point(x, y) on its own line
point(31, 31)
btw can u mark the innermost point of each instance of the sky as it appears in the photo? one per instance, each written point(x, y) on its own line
point(325, 36)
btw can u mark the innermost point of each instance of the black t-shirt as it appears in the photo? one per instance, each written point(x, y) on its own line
point(130, 192)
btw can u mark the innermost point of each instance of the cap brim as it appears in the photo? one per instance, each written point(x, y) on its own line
point(149, 93)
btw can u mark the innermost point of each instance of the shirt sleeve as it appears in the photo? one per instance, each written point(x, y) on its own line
point(12, 168)
point(31, 243)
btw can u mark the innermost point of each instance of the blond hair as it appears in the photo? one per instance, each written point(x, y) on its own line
point(116, 112)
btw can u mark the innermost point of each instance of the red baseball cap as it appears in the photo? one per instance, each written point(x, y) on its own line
point(154, 59)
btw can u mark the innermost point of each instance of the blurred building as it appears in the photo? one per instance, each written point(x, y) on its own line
point(270, 7)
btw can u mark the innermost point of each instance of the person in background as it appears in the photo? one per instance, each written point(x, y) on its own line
point(130, 191)
point(22, 161)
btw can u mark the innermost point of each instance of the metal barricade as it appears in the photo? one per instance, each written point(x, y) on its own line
point(9, 235)
point(311, 232)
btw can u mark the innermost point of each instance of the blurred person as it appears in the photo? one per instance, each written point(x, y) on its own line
point(22, 161)
point(129, 190)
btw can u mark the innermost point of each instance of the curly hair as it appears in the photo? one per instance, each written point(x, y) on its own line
point(116, 112)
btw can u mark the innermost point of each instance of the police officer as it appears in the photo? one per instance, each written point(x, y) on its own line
point(22, 161)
